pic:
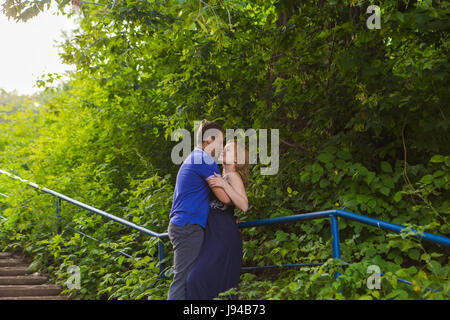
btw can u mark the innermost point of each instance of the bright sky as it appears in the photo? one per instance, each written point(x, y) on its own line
point(28, 49)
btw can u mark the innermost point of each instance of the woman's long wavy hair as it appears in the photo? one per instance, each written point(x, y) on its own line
point(243, 169)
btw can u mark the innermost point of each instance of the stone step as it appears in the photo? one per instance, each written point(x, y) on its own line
point(8, 262)
point(29, 290)
point(18, 280)
point(14, 271)
point(5, 255)
point(35, 298)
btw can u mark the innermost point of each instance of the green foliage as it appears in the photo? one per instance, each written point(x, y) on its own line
point(363, 121)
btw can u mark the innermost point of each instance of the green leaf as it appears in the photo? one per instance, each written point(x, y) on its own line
point(425, 257)
point(438, 173)
point(344, 155)
point(447, 161)
point(427, 179)
point(325, 157)
point(369, 178)
point(304, 176)
point(192, 26)
point(202, 25)
point(385, 166)
point(324, 183)
point(330, 149)
point(385, 191)
point(317, 168)
point(402, 274)
point(294, 286)
point(437, 158)
point(398, 196)
point(436, 255)
point(398, 293)
point(414, 254)
point(315, 177)
point(340, 164)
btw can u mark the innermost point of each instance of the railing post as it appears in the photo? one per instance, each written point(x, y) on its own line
point(335, 243)
point(161, 258)
point(58, 213)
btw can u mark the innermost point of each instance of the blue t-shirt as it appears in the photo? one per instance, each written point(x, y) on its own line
point(191, 195)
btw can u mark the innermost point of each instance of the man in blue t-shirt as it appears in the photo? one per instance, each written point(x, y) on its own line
point(190, 206)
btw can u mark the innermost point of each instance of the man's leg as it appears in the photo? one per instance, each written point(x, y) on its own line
point(186, 242)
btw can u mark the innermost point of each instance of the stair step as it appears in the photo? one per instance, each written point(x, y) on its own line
point(5, 255)
point(35, 298)
point(14, 271)
point(29, 290)
point(16, 280)
point(10, 262)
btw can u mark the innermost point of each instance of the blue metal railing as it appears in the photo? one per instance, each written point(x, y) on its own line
point(107, 215)
point(333, 215)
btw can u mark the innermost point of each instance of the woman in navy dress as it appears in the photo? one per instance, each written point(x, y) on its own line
point(218, 266)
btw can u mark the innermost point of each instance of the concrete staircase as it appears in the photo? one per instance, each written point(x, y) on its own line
point(17, 283)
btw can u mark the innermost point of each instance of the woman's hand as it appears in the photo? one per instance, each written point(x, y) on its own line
point(239, 221)
point(217, 181)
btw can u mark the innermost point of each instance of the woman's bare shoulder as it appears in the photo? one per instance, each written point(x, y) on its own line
point(233, 177)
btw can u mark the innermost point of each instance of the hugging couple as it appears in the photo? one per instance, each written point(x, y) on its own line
point(203, 230)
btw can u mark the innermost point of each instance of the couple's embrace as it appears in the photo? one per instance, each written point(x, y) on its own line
point(203, 229)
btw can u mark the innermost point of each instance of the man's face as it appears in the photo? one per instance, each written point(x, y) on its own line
point(215, 147)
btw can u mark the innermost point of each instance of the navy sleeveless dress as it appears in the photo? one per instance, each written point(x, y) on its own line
point(218, 266)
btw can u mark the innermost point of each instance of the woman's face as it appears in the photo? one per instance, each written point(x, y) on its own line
point(228, 153)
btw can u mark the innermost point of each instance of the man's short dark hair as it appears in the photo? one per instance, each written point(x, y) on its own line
point(204, 127)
